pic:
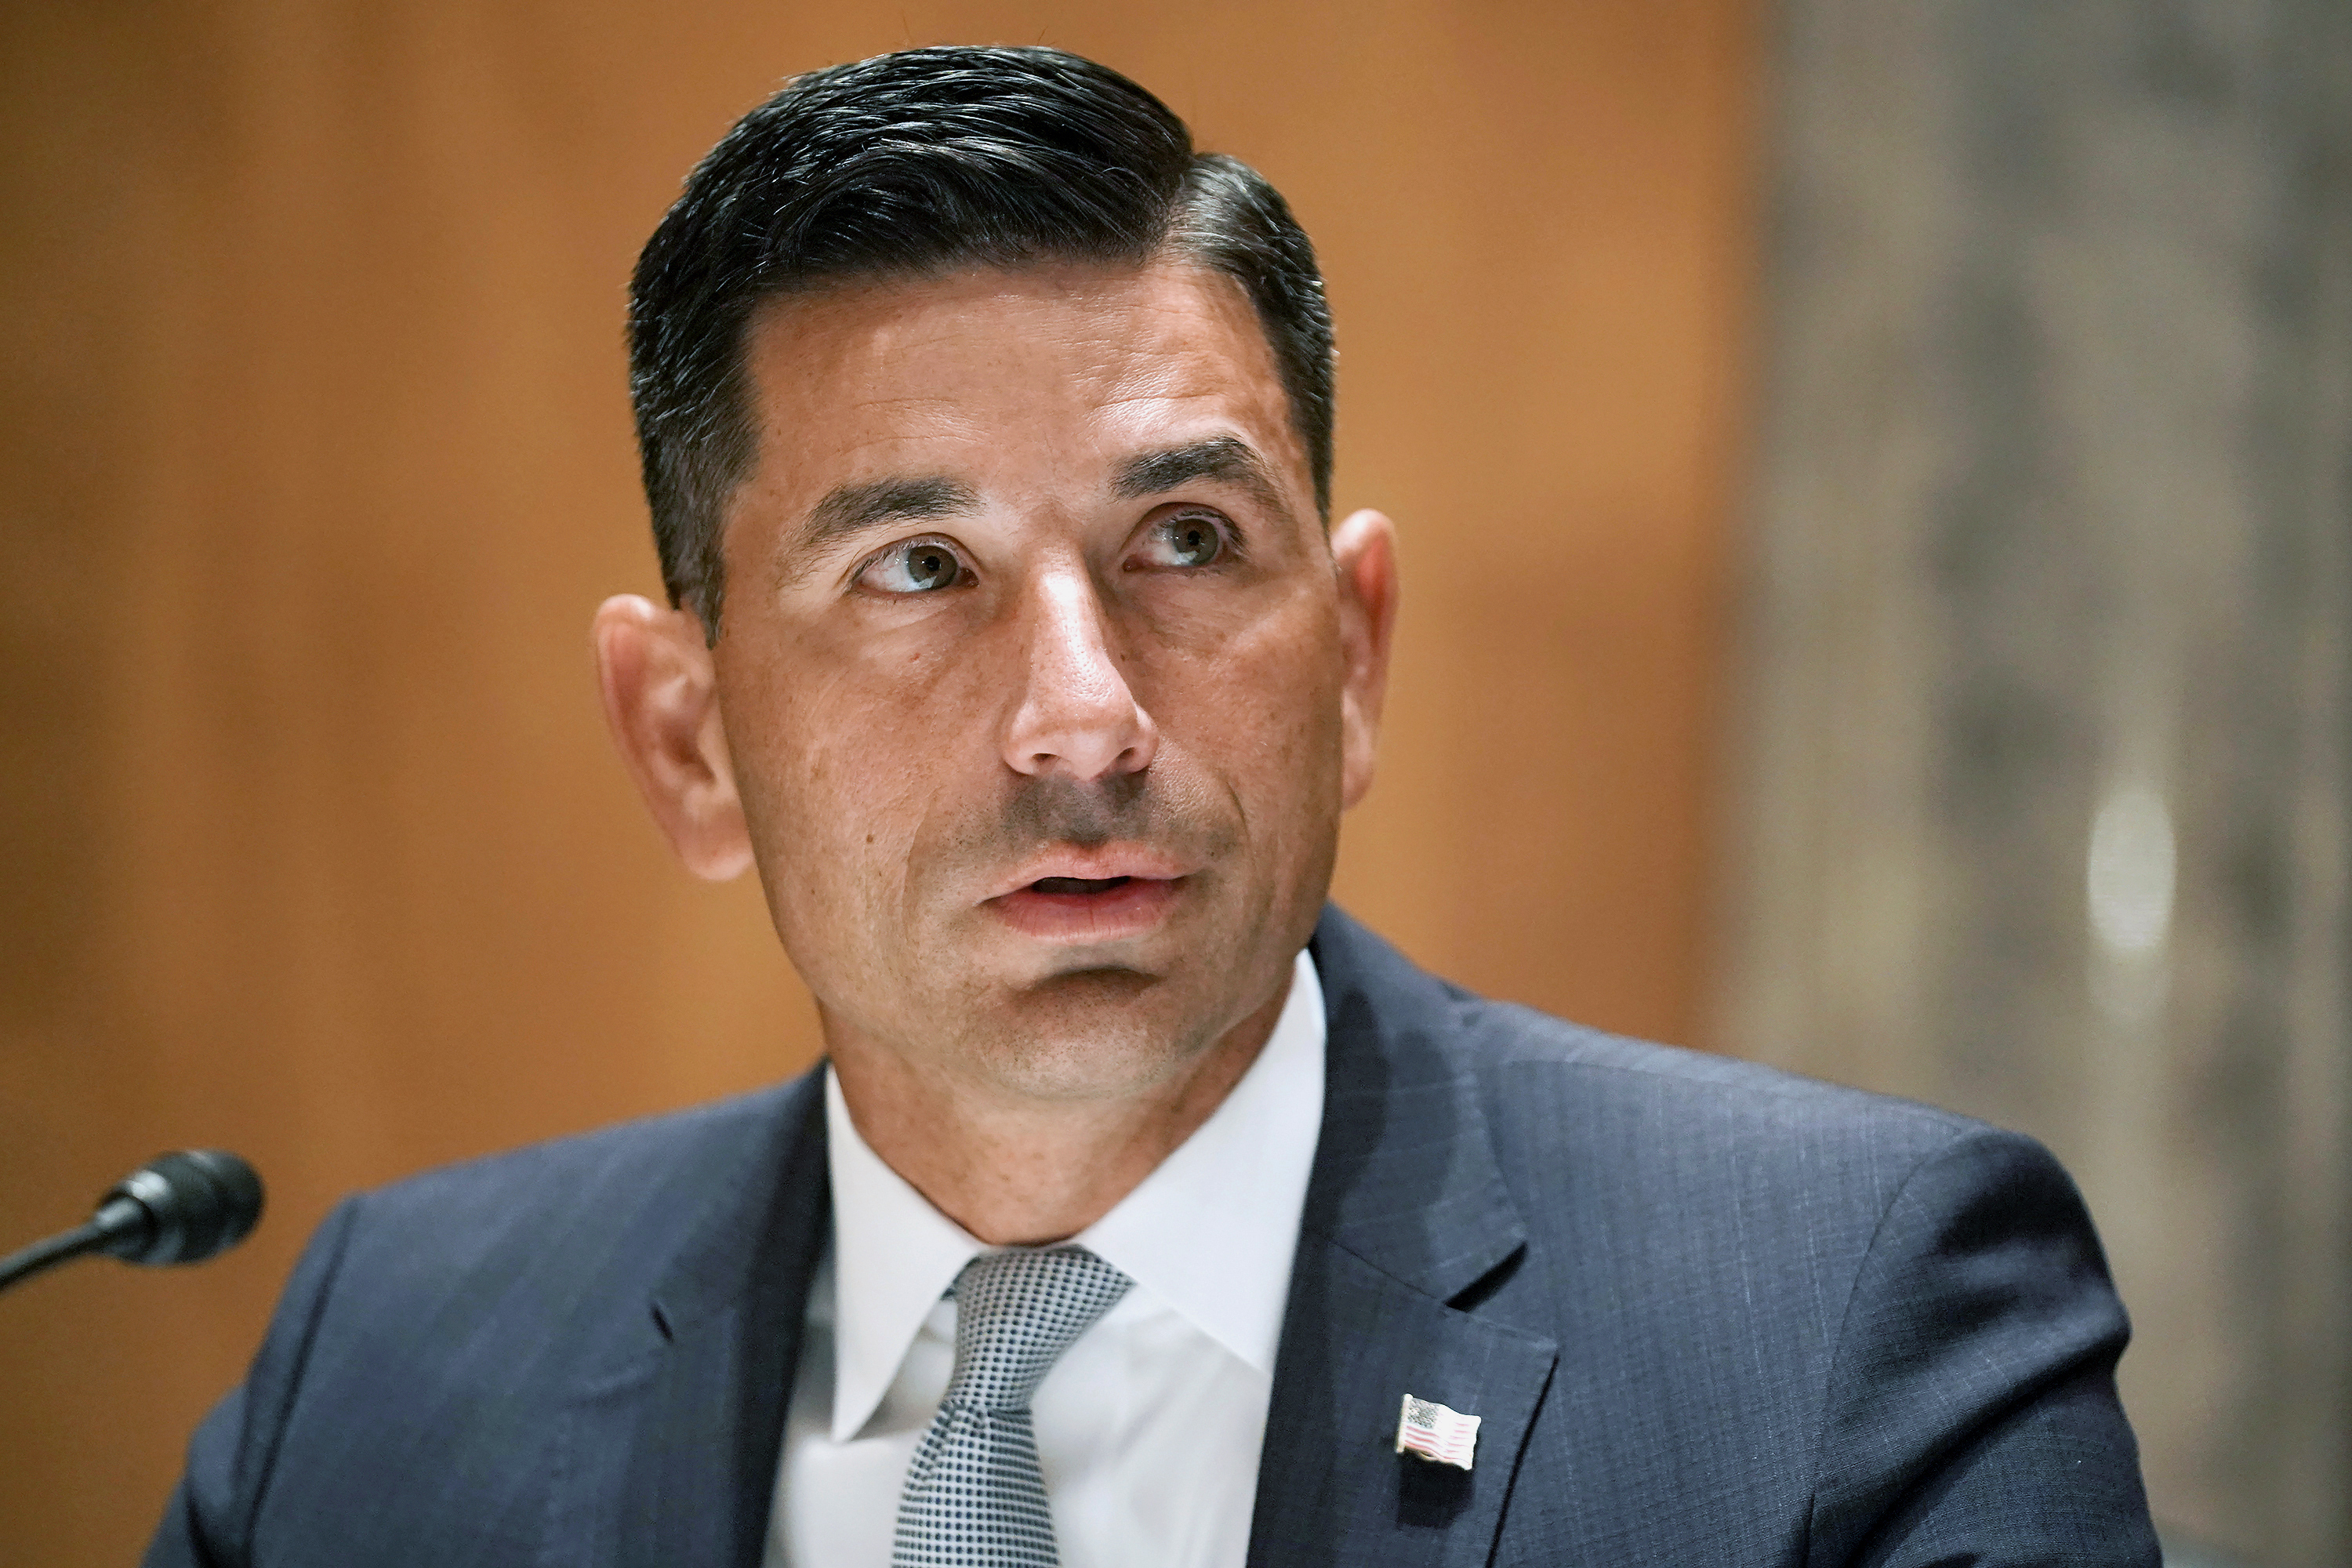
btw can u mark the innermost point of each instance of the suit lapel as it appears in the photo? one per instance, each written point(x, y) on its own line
point(1407, 1216)
point(670, 1445)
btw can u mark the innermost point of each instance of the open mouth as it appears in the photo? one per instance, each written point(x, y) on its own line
point(1065, 885)
point(1088, 909)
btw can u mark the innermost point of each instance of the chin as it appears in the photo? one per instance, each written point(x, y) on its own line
point(1089, 1034)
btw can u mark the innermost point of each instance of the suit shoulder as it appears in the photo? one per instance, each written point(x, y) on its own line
point(619, 1197)
point(1530, 1058)
point(1564, 1097)
point(645, 1153)
point(1650, 1163)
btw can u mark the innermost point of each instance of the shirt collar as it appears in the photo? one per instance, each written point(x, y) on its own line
point(1212, 1231)
point(894, 1257)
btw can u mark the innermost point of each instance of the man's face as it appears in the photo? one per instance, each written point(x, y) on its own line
point(1041, 689)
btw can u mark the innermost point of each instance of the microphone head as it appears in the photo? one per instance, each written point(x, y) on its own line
point(188, 1206)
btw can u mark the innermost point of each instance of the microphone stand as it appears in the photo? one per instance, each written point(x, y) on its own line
point(91, 1236)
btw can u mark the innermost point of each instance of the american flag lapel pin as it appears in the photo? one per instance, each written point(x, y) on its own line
point(1430, 1429)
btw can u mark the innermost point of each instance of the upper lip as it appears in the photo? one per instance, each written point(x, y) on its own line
point(1112, 860)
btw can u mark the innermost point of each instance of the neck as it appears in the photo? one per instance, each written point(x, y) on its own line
point(1017, 1169)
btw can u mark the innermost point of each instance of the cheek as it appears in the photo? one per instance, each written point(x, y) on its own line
point(1263, 707)
point(840, 761)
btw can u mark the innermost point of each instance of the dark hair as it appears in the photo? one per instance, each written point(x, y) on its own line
point(913, 163)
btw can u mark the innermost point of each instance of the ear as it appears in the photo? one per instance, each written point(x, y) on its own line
point(1363, 551)
point(661, 699)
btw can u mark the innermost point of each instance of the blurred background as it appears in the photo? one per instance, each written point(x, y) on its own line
point(1878, 557)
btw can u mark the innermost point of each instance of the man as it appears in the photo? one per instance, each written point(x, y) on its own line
point(1148, 1211)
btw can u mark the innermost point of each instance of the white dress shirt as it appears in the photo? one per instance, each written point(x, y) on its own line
point(1149, 1428)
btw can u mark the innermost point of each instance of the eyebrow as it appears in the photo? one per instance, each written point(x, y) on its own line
point(1227, 460)
point(853, 509)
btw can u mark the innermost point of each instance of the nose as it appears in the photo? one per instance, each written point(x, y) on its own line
point(1077, 716)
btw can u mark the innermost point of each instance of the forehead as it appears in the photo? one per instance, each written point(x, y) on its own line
point(1046, 374)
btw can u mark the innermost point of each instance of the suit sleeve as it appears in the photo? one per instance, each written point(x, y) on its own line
point(1972, 1412)
point(208, 1523)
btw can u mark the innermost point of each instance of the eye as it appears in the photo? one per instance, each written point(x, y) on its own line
point(915, 566)
point(1188, 540)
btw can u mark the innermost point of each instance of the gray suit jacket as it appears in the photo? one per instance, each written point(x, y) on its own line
point(1708, 1313)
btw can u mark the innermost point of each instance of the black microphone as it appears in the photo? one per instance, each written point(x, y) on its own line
point(175, 1208)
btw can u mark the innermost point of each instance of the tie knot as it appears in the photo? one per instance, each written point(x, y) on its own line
point(1016, 1312)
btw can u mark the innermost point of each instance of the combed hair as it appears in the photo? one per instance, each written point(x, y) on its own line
point(909, 166)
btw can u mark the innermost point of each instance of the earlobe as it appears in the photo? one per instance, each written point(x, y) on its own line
point(1363, 553)
point(661, 703)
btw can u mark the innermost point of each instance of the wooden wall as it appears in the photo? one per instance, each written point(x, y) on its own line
point(316, 457)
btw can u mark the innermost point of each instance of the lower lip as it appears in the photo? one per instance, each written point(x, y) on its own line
point(1132, 908)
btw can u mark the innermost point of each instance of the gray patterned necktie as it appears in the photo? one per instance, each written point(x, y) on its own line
point(975, 1497)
